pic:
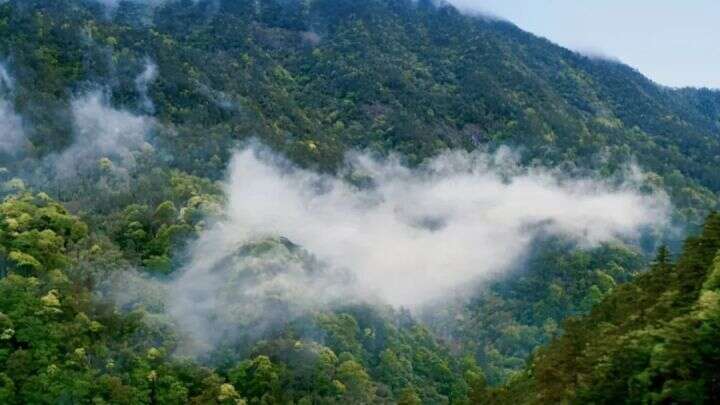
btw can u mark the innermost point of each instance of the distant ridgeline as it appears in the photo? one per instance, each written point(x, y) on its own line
point(119, 118)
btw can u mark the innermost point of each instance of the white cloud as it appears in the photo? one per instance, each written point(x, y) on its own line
point(101, 131)
point(415, 236)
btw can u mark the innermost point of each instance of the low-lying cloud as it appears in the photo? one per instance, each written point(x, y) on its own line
point(12, 134)
point(391, 234)
point(143, 82)
point(101, 131)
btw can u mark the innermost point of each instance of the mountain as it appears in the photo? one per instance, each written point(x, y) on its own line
point(316, 78)
point(118, 120)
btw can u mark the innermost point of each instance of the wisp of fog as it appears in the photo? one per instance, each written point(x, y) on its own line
point(143, 82)
point(12, 134)
point(101, 131)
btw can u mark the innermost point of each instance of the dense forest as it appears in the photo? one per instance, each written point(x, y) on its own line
point(119, 119)
point(653, 340)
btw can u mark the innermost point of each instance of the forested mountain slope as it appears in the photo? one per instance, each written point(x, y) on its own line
point(316, 78)
point(653, 340)
point(118, 121)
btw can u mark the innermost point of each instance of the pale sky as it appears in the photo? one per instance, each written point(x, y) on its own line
point(673, 42)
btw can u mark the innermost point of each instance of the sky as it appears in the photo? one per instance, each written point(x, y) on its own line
point(673, 42)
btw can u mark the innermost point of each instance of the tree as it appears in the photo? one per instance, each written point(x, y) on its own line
point(358, 388)
point(257, 379)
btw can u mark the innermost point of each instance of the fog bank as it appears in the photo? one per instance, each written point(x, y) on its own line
point(391, 234)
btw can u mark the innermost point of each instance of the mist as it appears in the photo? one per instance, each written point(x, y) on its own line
point(383, 233)
point(142, 84)
point(12, 133)
point(6, 82)
point(595, 53)
point(113, 4)
point(101, 131)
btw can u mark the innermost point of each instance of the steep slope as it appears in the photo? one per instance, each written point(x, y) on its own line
point(653, 340)
point(316, 78)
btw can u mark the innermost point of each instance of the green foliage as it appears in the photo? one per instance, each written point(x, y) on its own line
point(150, 236)
point(503, 324)
point(257, 379)
point(653, 340)
point(36, 232)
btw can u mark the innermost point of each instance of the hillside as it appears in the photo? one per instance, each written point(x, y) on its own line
point(651, 341)
point(316, 78)
point(119, 125)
